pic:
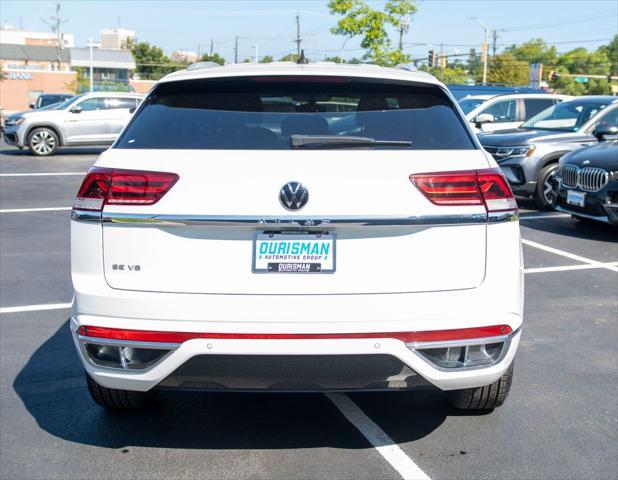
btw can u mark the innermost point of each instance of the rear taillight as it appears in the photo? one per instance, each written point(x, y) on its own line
point(107, 186)
point(474, 187)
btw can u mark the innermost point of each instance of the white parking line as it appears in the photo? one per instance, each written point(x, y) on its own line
point(566, 268)
point(35, 308)
point(385, 446)
point(572, 256)
point(24, 210)
point(46, 174)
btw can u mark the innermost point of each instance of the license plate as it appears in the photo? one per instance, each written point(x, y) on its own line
point(287, 253)
point(576, 198)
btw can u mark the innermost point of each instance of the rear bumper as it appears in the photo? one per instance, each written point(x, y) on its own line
point(264, 364)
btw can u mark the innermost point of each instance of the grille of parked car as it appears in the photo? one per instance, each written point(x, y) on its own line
point(591, 179)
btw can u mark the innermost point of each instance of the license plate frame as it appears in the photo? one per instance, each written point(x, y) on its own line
point(324, 265)
point(576, 198)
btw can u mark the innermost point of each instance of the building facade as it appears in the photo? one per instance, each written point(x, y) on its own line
point(29, 70)
point(116, 38)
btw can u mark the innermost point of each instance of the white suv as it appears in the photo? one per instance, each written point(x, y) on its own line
point(295, 228)
point(491, 113)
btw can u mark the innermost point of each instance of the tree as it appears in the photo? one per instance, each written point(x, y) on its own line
point(534, 51)
point(215, 57)
point(81, 83)
point(267, 59)
point(359, 19)
point(506, 69)
point(451, 74)
point(290, 57)
point(151, 63)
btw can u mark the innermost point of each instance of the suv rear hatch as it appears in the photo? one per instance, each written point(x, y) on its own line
point(229, 143)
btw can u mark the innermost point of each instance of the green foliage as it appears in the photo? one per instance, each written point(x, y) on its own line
point(534, 51)
point(451, 74)
point(267, 59)
point(290, 57)
point(215, 57)
point(81, 82)
point(359, 19)
point(151, 62)
point(507, 70)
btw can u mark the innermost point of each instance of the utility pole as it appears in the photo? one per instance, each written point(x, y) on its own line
point(54, 24)
point(255, 58)
point(442, 62)
point(91, 67)
point(404, 26)
point(486, 29)
point(494, 35)
point(211, 47)
point(236, 50)
point(298, 39)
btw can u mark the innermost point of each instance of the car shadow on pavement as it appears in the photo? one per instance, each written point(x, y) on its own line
point(61, 151)
point(53, 390)
point(566, 226)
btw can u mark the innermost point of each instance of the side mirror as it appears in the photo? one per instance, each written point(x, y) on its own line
point(605, 130)
point(32, 106)
point(483, 118)
point(76, 109)
point(132, 109)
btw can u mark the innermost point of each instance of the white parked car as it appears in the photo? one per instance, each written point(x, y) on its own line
point(491, 113)
point(88, 119)
point(246, 233)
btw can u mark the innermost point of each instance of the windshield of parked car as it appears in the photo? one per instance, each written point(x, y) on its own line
point(62, 105)
point(469, 104)
point(51, 100)
point(265, 112)
point(565, 116)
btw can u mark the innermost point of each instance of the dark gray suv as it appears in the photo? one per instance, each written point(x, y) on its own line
point(529, 154)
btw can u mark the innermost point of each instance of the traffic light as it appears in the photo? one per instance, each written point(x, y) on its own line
point(553, 76)
point(431, 59)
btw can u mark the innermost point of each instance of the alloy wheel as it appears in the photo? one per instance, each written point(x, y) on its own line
point(43, 142)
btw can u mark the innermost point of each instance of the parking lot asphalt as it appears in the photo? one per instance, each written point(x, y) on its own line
point(559, 422)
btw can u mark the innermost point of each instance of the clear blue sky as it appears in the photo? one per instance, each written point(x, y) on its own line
point(176, 24)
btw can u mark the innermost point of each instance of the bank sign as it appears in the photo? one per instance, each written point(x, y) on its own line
point(19, 76)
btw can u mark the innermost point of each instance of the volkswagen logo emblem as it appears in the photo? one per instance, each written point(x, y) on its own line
point(293, 196)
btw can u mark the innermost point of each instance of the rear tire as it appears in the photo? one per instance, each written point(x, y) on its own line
point(43, 142)
point(483, 398)
point(545, 192)
point(118, 399)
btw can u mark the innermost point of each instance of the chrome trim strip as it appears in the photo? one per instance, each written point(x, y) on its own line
point(293, 222)
point(85, 216)
point(496, 217)
point(459, 343)
point(127, 343)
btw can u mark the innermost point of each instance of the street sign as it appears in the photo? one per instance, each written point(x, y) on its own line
point(581, 79)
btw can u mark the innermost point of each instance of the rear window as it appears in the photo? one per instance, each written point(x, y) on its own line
point(265, 112)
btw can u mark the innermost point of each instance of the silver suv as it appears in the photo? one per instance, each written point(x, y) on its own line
point(89, 119)
point(529, 155)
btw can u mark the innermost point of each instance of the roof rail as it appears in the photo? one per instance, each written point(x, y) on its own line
point(410, 67)
point(198, 65)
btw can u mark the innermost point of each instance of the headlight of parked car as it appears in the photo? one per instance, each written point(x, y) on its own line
point(14, 121)
point(517, 151)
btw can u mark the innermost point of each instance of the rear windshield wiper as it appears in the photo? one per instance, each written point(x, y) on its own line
point(341, 141)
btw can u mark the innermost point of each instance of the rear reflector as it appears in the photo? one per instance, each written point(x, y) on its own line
point(107, 186)
point(475, 187)
point(407, 337)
